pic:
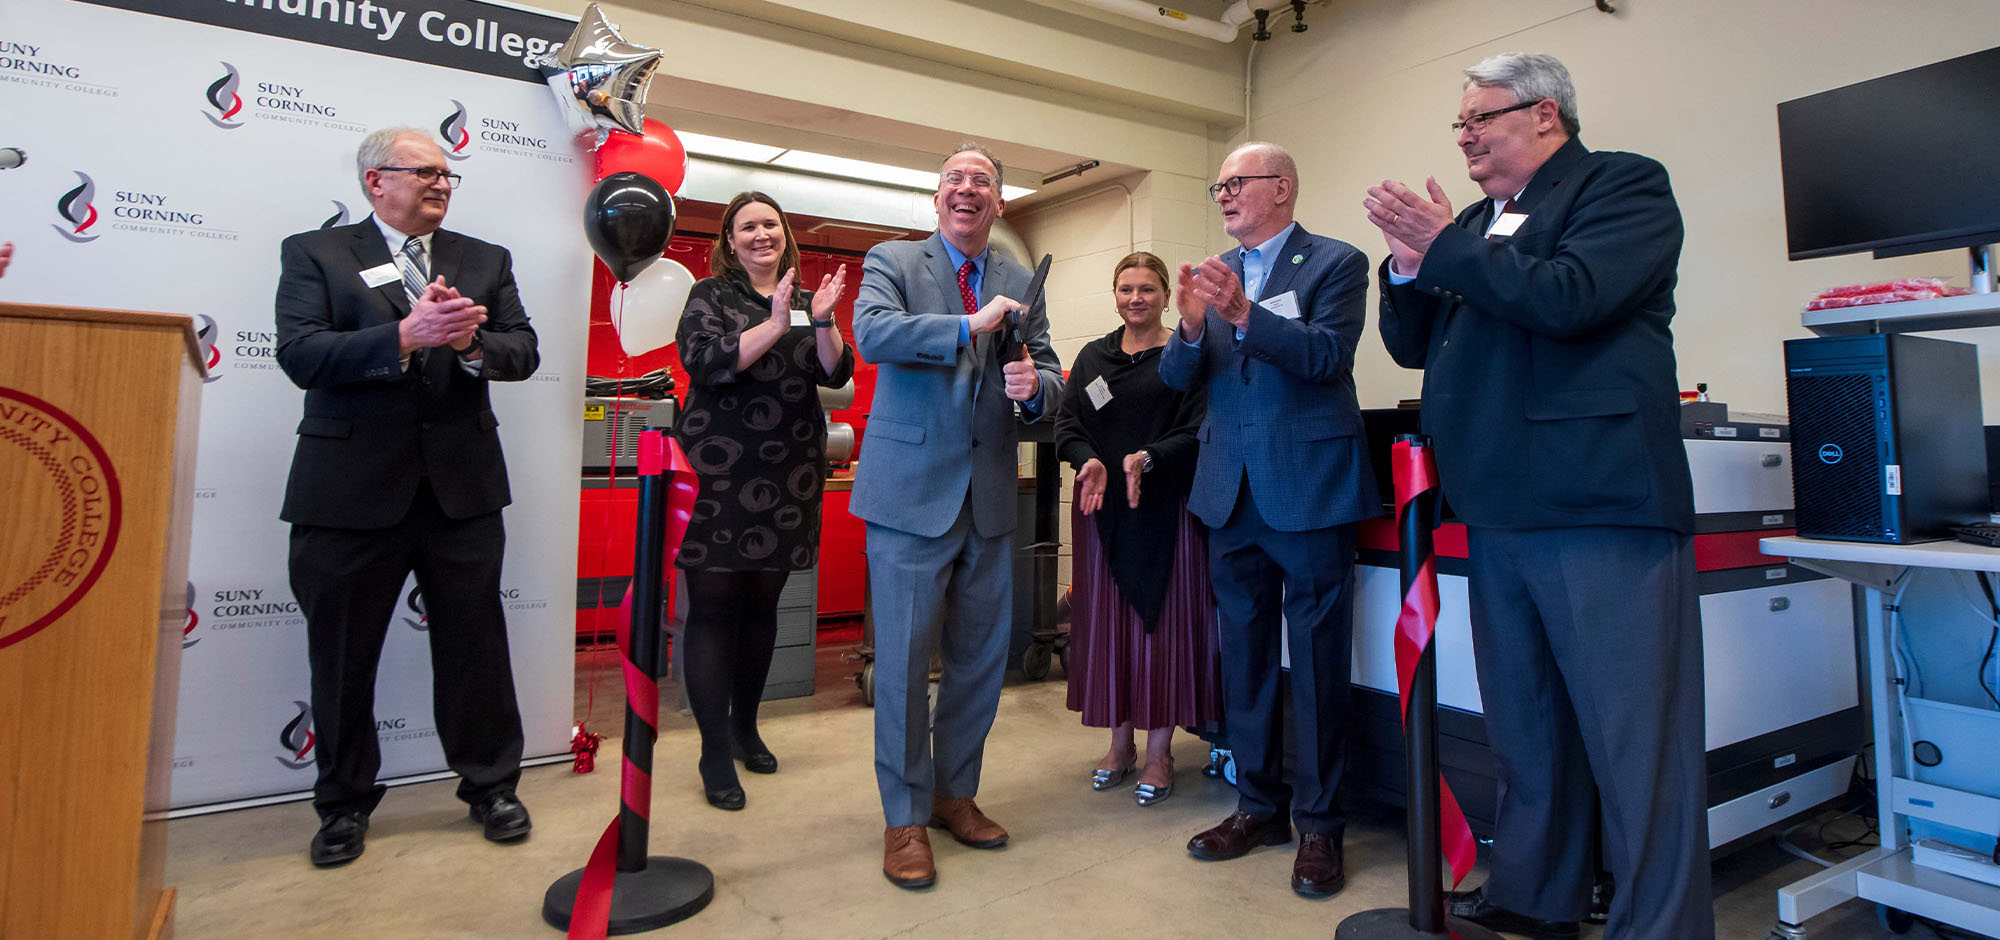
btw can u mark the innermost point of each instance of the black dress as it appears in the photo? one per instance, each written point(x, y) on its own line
point(756, 438)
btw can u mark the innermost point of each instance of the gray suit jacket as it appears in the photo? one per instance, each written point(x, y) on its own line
point(941, 423)
point(1281, 405)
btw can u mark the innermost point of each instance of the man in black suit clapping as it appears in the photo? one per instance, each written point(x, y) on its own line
point(394, 327)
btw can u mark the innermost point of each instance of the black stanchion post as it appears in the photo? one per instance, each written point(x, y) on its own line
point(647, 892)
point(1425, 918)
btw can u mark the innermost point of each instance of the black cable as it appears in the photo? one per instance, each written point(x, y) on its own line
point(656, 384)
point(1986, 584)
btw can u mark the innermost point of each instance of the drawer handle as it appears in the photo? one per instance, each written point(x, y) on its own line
point(1781, 799)
point(1780, 603)
point(1772, 460)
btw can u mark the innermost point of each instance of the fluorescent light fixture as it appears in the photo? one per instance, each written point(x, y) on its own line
point(741, 151)
point(727, 149)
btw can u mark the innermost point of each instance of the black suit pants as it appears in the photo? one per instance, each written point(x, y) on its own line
point(347, 582)
point(1588, 647)
point(1259, 572)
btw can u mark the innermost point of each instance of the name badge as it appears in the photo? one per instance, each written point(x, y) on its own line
point(1507, 224)
point(1099, 392)
point(381, 274)
point(800, 318)
point(1285, 305)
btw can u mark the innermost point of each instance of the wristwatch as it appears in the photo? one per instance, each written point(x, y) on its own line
point(819, 324)
point(1147, 467)
point(473, 348)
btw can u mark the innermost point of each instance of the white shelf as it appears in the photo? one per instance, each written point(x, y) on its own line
point(1911, 316)
point(1953, 555)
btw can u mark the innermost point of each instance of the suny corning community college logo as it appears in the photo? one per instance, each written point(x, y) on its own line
point(204, 333)
point(223, 98)
point(75, 207)
point(192, 620)
point(415, 602)
point(297, 739)
point(339, 216)
point(452, 132)
point(62, 517)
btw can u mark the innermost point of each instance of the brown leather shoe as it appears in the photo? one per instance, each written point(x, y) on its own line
point(1237, 835)
point(1318, 872)
point(906, 857)
point(967, 824)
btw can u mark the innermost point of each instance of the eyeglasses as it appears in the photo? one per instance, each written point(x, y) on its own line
point(1479, 121)
point(428, 175)
point(960, 177)
point(1234, 185)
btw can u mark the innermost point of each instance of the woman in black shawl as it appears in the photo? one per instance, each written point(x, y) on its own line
point(1142, 645)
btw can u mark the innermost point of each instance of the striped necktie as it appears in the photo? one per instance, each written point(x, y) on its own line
point(415, 269)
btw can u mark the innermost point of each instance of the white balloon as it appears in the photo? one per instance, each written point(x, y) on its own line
point(652, 304)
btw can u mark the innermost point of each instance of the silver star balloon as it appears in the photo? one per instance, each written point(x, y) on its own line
point(599, 78)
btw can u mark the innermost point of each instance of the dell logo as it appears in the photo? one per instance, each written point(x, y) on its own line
point(1829, 453)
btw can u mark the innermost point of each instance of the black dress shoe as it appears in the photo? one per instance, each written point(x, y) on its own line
point(1237, 835)
point(1319, 871)
point(503, 816)
point(1473, 906)
point(757, 759)
point(729, 798)
point(340, 839)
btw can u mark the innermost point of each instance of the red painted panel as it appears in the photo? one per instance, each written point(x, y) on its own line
point(1716, 551)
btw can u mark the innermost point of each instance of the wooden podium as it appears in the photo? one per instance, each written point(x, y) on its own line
point(97, 447)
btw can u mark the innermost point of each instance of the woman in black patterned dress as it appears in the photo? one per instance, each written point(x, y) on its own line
point(754, 348)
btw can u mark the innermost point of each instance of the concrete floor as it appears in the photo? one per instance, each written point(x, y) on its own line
point(804, 859)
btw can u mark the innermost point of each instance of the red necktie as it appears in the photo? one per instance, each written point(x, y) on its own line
point(965, 288)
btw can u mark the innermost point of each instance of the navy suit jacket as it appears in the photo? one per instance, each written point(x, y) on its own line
point(371, 430)
point(1282, 412)
point(1549, 381)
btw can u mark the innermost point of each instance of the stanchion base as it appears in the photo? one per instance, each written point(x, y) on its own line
point(1393, 923)
point(666, 891)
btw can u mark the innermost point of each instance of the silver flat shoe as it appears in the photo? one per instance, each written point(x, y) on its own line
point(1106, 779)
point(1146, 794)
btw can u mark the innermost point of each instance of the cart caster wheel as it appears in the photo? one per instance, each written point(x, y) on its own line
point(1035, 662)
point(1784, 931)
point(1062, 655)
point(866, 680)
point(1894, 920)
point(1229, 769)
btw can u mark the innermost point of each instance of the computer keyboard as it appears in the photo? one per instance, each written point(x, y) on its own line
point(1978, 533)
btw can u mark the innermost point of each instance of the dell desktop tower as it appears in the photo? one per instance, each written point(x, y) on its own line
point(1887, 443)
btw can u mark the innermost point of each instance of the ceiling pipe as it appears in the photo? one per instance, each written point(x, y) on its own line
point(1223, 30)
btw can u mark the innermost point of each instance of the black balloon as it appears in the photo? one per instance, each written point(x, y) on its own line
point(628, 218)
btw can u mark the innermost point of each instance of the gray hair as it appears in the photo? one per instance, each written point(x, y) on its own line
point(1277, 160)
point(374, 150)
point(999, 172)
point(1529, 77)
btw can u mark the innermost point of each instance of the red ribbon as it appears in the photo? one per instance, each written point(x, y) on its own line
point(1416, 473)
point(590, 919)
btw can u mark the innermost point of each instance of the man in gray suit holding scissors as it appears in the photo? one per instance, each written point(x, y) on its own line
point(937, 487)
point(1282, 479)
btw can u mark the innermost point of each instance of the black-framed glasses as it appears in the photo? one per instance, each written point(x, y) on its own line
point(1479, 121)
point(1234, 185)
point(428, 174)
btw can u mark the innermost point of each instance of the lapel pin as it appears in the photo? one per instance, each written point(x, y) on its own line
point(1298, 259)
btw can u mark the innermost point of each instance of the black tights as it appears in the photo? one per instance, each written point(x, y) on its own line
point(732, 625)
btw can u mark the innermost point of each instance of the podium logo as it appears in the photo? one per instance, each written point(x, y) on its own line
point(62, 517)
point(297, 739)
point(223, 98)
point(339, 216)
point(76, 209)
point(204, 333)
point(414, 602)
point(189, 622)
point(452, 133)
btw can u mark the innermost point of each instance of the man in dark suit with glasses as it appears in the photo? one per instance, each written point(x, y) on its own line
point(394, 326)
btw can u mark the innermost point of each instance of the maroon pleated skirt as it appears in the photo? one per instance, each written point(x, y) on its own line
point(1118, 672)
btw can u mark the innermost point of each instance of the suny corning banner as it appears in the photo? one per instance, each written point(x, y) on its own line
point(167, 158)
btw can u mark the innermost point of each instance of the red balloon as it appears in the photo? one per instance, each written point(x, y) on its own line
point(657, 154)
